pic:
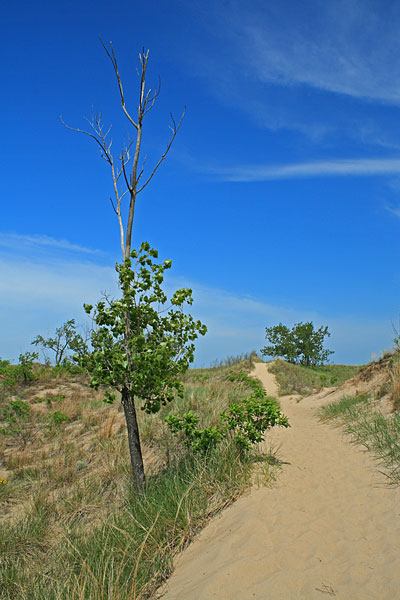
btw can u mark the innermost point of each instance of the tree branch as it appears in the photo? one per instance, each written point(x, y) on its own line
point(123, 170)
point(113, 205)
point(104, 149)
point(113, 59)
point(175, 129)
point(151, 101)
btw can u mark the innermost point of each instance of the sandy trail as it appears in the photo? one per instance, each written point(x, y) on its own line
point(329, 527)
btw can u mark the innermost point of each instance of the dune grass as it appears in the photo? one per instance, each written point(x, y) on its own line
point(54, 554)
point(379, 433)
point(298, 379)
point(71, 526)
point(395, 380)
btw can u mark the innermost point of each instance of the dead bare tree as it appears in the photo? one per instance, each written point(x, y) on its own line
point(134, 181)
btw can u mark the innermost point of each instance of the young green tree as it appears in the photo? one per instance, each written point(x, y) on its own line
point(302, 344)
point(140, 346)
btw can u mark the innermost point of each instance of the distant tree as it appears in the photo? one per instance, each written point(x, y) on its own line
point(66, 340)
point(140, 346)
point(281, 343)
point(302, 344)
point(25, 366)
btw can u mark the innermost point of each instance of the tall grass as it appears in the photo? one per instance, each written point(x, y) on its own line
point(129, 552)
point(298, 379)
point(395, 380)
point(362, 419)
point(229, 361)
point(71, 526)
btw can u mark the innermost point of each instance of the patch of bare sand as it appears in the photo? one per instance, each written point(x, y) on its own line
point(329, 527)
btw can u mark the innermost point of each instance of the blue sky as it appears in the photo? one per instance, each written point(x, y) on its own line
point(279, 201)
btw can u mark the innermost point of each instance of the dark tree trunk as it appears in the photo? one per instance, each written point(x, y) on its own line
point(134, 440)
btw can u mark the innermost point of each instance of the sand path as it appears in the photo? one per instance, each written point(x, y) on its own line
point(329, 527)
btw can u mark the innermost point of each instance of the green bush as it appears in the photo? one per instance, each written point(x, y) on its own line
point(245, 421)
point(251, 418)
point(199, 440)
point(20, 373)
point(57, 418)
point(16, 415)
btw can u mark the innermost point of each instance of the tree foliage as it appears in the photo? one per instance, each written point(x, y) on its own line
point(140, 344)
point(302, 344)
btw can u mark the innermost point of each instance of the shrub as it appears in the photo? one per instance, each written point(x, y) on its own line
point(246, 421)
point(20, 373)
point(16, 415)
point(57, 418)
point(251, 418)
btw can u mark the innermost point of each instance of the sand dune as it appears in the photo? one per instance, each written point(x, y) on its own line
point(329, 527)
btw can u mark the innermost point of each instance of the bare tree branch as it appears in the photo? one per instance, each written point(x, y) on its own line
point(147, 99)
point(175, 129)
point(94, 137)
point(142, 170)
point(149, 102)
point(123, 170)
point(124, 158)
point(112, 57)
point(113, 205)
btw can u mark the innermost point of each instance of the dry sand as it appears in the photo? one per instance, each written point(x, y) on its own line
point(329, 527)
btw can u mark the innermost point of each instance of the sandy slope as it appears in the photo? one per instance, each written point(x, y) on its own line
point(329, 527)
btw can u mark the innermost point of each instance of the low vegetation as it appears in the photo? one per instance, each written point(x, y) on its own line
point(298, 379)
point(377, 430)
point(244, 423)
point(72, 525)
point(395, 381)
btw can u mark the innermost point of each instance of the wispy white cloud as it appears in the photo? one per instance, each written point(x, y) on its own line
point(16, 241)
point(340, 46)
point(36, 297)
point(52, 283)
point(325, 168)
point(273, 60)
point(394, 210)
